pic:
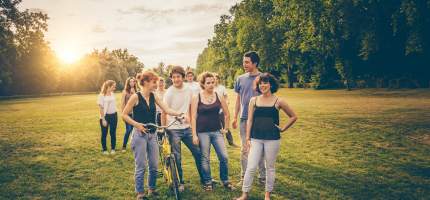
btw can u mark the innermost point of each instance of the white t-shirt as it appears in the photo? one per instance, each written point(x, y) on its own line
point(178, 100)
point(194, 86)
point(108, 103)
point(160, 95)
point(220, 90)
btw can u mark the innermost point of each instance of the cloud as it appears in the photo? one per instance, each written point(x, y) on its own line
point(193, 9)
point(205, 8)
point(36, 10)
point(98, 29)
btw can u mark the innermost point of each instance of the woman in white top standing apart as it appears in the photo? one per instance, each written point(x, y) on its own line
point(108, 115)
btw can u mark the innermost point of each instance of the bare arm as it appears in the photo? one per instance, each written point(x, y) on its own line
point(237, 106)
point(194, 116)
point(165, 108)
point(250, 118)
point(163, 119)
point(287, 110)
point(102, 112)
point(236, 110)
point(226, 98)
point(123, 100)
point(127, 109)
point(226, 113)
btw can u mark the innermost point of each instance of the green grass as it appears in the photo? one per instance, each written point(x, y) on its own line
point(346, 145)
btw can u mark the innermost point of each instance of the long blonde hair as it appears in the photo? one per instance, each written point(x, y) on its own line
point(107, 84)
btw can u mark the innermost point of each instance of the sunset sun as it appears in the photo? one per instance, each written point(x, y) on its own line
point(68, 56)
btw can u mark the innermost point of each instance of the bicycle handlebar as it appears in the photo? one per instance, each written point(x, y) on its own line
point(177, 119)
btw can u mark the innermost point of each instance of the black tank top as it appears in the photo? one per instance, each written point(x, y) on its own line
point(141, 112)
point(208, 119)
point(263, 123)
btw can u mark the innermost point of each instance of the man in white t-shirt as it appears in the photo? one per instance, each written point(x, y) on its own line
point(193, 85)
point(178, 97)
point(221, 91)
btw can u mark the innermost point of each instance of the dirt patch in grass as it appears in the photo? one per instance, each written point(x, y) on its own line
point(420, 138)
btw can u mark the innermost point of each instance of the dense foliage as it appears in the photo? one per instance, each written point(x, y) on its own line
point(326, 43)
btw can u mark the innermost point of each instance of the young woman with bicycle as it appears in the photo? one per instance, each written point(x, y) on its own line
point(206, 128)
point(263, 132)
point(144, 145)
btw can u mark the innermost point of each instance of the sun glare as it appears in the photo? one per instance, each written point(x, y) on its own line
point(68, 56)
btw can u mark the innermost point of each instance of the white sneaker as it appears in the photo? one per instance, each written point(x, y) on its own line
point(105, 153)
point(112, 151)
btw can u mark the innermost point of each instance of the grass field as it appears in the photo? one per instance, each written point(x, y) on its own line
point(364, 144)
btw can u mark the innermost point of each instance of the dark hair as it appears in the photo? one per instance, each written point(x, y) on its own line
point(268, 78)
point(254, 57)
point(202, 78)
point(190, 72)
point(177, 70)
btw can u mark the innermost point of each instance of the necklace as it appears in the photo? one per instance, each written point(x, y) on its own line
point(209, 98)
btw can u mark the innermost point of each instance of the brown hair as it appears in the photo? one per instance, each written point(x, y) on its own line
point(177, 70)
point(190, 72)
point(107, 84)
point(127, 87)
point(146, 76)
point(202, 78)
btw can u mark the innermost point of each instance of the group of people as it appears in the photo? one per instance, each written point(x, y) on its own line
point(206, 120)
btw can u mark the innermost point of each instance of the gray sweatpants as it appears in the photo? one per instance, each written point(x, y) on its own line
point(244, 154)
point(270, 149)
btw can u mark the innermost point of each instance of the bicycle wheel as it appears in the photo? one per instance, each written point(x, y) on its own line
point(175, 180)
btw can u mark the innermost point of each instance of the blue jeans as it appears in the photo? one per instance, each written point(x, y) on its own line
point(184, 135)
point(217, 140)
point(128, 129)
point(145, 148)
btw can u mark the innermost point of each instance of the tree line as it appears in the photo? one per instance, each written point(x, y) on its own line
point(28, 65)
point(326, 43)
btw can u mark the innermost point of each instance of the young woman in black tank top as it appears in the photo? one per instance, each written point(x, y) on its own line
point(206, 128)
point(144, 145)
point(263, 131)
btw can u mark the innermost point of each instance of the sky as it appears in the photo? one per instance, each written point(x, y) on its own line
point(169, 31)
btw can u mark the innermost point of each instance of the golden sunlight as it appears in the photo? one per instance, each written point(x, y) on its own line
point(68, 56)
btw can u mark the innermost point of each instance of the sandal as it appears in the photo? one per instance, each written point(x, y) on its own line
point(208, 188)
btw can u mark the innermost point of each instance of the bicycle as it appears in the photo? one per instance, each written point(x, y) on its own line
point(167, 158)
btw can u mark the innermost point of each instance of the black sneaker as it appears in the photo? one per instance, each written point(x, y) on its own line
point(262, 181)
point(228, 186)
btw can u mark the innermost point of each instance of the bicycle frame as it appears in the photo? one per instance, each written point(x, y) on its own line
point(166, 156)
